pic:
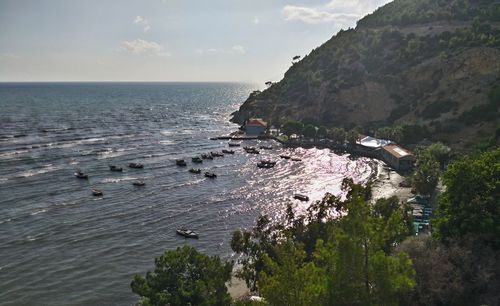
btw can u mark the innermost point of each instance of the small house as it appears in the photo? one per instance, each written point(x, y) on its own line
point(398, 158)
point(255, 127)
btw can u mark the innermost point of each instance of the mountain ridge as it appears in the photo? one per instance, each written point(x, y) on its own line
point(441, 73)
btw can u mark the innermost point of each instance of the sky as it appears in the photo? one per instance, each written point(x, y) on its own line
point(165, 40)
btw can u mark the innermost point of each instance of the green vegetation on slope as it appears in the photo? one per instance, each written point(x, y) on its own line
point(406, 12)
point(384, 73)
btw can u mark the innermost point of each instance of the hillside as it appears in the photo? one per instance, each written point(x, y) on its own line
point(432, 64)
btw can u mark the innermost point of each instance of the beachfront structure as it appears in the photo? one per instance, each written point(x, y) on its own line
point(255, 127)
point(398, 158)
point(372, 142)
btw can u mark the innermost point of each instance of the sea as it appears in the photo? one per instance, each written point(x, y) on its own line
point(60, 245)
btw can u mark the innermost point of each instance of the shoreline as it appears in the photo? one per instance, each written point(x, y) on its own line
point(385, 184)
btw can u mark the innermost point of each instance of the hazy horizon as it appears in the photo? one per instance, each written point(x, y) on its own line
point(165, 40)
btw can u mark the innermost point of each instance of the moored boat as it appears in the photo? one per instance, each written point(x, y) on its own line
point(264, 147)
point(233, 144)
point(187, 233)
point(296, 159)
point(139, 183)
point(216, 154)
point(210, 175)
point(115, 168)
point(196, 160)
point(195, 171)
point(228, 151)
point(180, 162)
point(207, 156)
point(96, 192)
point(265, 165)
point(136, 165)
point(251, 150)
point(285, 156)
point(81, 175)
point(301, 197)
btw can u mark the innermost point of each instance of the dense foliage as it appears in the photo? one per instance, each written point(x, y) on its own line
point(470, 205)
point(407, 12)
point(185, 277)
point(341, 252)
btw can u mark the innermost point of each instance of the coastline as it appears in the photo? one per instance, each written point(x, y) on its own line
point(385, 183)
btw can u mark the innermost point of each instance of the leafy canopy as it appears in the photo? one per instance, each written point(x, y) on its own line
point(185, 277)
point(470, 205)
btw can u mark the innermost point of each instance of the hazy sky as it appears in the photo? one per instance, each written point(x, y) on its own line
point(165, 40)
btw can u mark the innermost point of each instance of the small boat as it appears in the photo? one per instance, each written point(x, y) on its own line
point(196, 160)
point(115, 168)
point(296, 159)
point(216, 154)
point(195, 171)
point(266, 147)
point(301, 197)
point(251, 150)
point(139, 183)
point(81, 175)
point(207, 156)
point(265, 165)
point(180, 162)
point(136, 165)
point(210, 175)
point(285, 156)
point(96, 192)
point(228, 151)
point(187, 233)
point(233, 144)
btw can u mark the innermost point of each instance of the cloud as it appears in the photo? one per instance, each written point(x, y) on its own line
point(140, 46)
point(143, 22)
point(256, 20)
point(236, 49)
point(307, 15)
point(340, 12)
point(9, 56)
point(360, 7)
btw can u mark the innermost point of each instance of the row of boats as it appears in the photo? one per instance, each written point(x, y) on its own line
point(97, 192)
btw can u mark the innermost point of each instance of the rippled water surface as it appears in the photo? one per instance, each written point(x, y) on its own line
point(59, 245)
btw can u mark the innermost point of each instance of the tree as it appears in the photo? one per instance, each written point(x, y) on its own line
point(470, 204)
point(296, 58)
point(352, 136)
point(440, 152)
point(291, 280)
point(322, 132)
point(426, 174)
point(339, 253)
point(269, 83)
point(360, 271)
point(292, 127)
point(309, 131)
point(338, 135)
point(185, 277)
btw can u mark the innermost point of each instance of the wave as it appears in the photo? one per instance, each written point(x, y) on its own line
point(32, 172)
point(41, 211)
point(6, 220)
point(117, 180)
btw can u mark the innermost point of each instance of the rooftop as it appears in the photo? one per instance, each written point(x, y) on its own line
point(396, 150)
point(256, 122)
